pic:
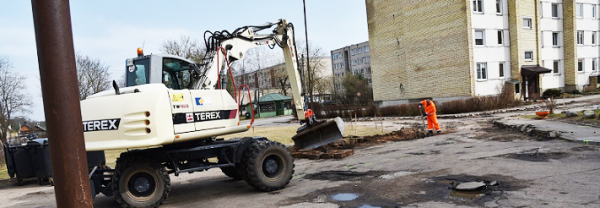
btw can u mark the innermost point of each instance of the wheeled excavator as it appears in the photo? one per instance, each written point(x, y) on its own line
point(171, 111)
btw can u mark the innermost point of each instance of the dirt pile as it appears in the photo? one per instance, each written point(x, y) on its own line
point(345, 147)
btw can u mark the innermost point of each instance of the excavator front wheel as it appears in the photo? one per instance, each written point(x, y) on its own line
point(139, 182)
point(267, 165)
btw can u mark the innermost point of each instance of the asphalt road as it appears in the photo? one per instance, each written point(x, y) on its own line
point(417, 173)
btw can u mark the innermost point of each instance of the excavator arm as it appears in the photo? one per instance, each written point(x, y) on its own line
point(224, 47)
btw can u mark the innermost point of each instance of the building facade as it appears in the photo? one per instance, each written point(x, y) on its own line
point(460, 48)
point(270, 79)
point(354, 59)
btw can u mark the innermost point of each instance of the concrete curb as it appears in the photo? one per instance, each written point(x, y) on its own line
point(544, 133)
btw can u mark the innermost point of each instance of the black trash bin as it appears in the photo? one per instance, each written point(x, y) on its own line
point(18, 161)
point(40, 158)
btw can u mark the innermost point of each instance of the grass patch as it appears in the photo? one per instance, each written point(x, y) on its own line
point(284, 134)
point(4, 172)
point(552, 116)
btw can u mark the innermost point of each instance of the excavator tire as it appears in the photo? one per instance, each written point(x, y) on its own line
point(267, 165)
point(232, 172)
point(140, 182)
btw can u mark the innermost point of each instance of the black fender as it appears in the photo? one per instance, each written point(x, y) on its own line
point(244, 144)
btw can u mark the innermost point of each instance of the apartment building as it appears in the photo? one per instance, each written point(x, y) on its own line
point(461, 48)
point(354, 59)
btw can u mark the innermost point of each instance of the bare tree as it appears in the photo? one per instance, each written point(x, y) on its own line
point(92, 76)
point(282, 80)
point(317, 67)
point(185, 47)
point(13, 97)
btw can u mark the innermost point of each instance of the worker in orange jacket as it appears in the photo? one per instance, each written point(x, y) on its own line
point(431, 115)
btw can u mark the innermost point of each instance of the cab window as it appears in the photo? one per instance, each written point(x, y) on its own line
point(138, 74)
point(176, 73)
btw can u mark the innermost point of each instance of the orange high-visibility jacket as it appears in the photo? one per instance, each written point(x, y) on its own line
point(429, 109)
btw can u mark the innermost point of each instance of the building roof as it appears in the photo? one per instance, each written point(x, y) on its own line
point(534, 69)
point(272, 97)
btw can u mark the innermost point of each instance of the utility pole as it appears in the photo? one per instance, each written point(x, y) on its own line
point(310, 90)
point(58, 75)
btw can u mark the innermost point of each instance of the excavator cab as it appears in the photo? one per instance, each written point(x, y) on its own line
point(174, 72)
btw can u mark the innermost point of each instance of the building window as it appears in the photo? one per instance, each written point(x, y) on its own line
point(501, 70)
point(479, 37)
point(594, 38)
point(555, 10)
point(367, 49)
point(360, 50)
point(353, 51)
point(499, 6)
point(527, 23)
point(555, 68)
point(593, 11)
point(500, 37)
point(477, 7)
point(580, 37)
point(481, 71)
point(517, 88)
point(579, 8)
point(528, 55)
point(594, 64)
point(555, 39)
point(580, 65)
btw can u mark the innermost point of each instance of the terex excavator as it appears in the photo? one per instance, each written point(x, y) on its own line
point(172, 110)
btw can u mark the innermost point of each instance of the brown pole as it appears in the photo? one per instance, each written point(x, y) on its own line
point(56, 58)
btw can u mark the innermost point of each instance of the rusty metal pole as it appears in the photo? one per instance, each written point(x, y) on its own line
point(56, 58)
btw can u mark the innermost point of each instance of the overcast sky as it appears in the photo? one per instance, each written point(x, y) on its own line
point(112, 30)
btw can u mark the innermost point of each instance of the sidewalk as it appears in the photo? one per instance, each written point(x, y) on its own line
point(567, 131)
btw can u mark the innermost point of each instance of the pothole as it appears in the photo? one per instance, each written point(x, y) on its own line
point(584, 148)
point(341, 175)
point(431, 152)
point(538, 156)
point(402, 188)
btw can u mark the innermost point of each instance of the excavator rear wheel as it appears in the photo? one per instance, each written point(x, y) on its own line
point(140, 182)
point(267, 165)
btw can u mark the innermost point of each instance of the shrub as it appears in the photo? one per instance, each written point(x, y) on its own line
point(575, 92)
point(552, 93)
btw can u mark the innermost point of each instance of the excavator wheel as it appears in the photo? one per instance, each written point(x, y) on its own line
point(267, 165)
point(140, 182)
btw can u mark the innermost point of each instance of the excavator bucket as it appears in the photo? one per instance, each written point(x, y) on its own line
point(316, 135)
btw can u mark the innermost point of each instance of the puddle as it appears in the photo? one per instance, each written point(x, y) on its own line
point(470, 195)
point(344, 197)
